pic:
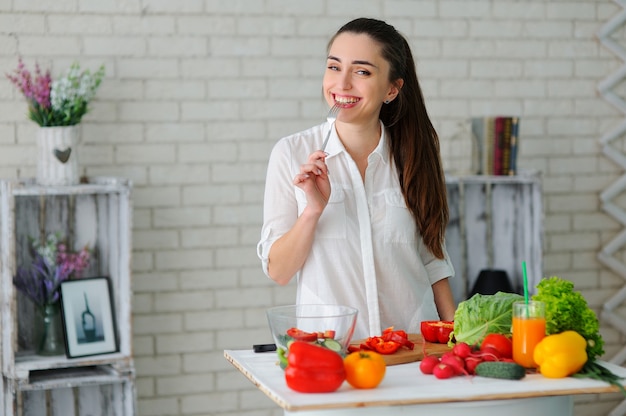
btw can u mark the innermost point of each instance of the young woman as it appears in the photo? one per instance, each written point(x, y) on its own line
point(362, 222)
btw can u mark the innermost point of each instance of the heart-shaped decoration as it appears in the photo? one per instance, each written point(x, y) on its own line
point(63, 155)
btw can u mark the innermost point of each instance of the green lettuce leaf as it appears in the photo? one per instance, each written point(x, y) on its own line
point(484, 314)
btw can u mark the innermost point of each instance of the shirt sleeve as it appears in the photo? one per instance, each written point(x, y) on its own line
point(280, 209)
point(437, 268)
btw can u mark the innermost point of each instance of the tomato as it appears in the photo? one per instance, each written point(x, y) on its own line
point(498, 342)
point(364, 369)
point(300, 335)
point(437, 331)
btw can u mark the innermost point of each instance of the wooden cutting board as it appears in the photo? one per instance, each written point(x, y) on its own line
point(404, 355)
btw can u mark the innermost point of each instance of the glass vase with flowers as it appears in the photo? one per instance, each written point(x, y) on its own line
point(57, 106)
point(52, 264)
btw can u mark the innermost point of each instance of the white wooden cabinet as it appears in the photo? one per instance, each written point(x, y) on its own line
point(97, 213)
point(496, 222)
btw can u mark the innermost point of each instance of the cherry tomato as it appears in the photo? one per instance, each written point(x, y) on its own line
point(500, 343)
point(437, 331)
point(300, 335)
point(364, 369)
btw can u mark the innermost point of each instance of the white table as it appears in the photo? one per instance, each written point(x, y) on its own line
point(410, 392)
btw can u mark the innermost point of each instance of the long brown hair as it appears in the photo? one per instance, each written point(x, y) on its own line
point(413, 140)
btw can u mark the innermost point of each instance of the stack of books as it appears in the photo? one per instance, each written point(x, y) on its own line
point(497, 140)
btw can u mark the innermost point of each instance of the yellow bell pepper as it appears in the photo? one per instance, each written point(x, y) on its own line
point(561, 355)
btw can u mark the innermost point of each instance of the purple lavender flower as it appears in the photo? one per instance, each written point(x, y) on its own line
point(52, 265)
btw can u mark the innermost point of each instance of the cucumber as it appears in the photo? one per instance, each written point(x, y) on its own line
point(331, 344)
point(500, 369)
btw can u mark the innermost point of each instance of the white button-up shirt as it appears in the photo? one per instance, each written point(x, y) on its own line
point(366, 253)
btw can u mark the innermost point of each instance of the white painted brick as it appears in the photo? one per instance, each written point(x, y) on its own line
point(208, 279)
point(199, 68)
point(143, 25)
point(142, 261)
point(175, 90)
point(254, 400)
point(240, 88)
point(237, 130)
point(143, 345)
point(155, 239)
point(64, 24)
point(519, 88)
point(211, 194)
point(166, 6)
point(216, 402)
point(22, 23)
point(156, 197)
point(573, 242)
point(241, 172)
point(213, 319)
point(170, 175)
point(498, 29)
point(157, 324)
point(242, 298)
point(210, 237)
point(158, 406)
point(155, 282)
point(145, 153)
point(174, 133)
point(36, 6)
point(179, 46)
point(573, 49)
point(111, 133)
point(137, 68)
point(142, 304)
point(403, 8)
point(186, 384)
point(583, 203)
point(187, 259)
point(181, 217)
point(236, 7)
point(215, 110)
point(96, 6)
point(183, 343)
point(548, 69)
point(205, 362)
point(207, 25)
point(231, 215)
point(531, 11)
point(145, 386)
point(236, 257)
point(122, 46)
point(7, 134)
point(241, 46)
point(148, 111)
point(346, 9)
point(281, 26)
point(570, 10)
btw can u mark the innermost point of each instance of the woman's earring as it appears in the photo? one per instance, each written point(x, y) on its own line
point(387, 101)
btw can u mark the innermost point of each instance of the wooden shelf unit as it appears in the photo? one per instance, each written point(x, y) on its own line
point(97, 213)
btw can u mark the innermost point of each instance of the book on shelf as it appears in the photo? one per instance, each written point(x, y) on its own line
point(497, 140)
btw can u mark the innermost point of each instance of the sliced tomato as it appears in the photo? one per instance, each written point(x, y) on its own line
point(300, 335)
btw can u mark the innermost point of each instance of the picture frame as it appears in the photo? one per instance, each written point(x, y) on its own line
point(89, 324)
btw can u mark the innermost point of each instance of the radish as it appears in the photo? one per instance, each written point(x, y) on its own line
point(442, 371)
point(462, 349)
point(471, 362)
point(428, 363)
point(456, 362)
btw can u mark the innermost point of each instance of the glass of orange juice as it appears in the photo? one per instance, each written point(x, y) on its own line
point(529, 327)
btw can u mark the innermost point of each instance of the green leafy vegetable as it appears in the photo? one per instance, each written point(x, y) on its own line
point(567, 309)
point(484, 314)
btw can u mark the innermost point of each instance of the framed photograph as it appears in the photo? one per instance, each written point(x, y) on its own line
point(88, 319)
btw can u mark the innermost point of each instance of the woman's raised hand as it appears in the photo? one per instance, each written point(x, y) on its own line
point(313, 180)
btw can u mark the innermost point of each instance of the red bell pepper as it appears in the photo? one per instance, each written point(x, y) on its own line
point(437, 331)
point(313, 369)
point(388, 343)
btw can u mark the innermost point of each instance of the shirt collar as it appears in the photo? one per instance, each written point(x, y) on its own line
point(335, 146)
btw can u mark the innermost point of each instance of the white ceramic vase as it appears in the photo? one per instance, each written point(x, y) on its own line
point(57, 156)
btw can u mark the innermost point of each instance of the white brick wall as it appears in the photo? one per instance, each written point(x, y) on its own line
point(197, 92)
